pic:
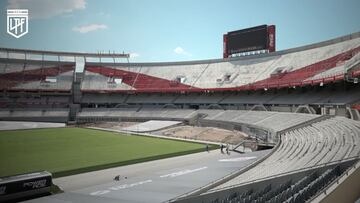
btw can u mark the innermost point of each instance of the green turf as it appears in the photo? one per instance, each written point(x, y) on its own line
point(65, 151)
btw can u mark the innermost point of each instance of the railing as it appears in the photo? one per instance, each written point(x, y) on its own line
point(306, 123)
point(324, 190)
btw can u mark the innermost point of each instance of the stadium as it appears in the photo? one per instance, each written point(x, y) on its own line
point(257, 125)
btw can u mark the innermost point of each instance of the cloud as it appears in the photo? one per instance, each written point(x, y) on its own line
point(181, 51)
point(103, 14)
point(47, 8)
point(134, 55)
point(89, 28)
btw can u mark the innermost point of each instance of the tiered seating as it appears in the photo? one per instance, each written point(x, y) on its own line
point(300, 97)
point(6, 101)
point(341, 97)
point(198, 98)
point(20, 75)
point(300, 76)
point(315, 64)
point(261, 119)
point(209, 113)
point(150, 99)
point(252, 117)
point(32, 114)
point(244, 98)
point(282, 121)
point(129, 80)
point(227, 115)
point(290, 192)
point(58, 100)
point(106, 114)
point(7, 78)
point(103, 99)
point(276, 121)
point(326, 141)
point(338, 71)
point(227, 99)
point(94, 81)
point(35, 102)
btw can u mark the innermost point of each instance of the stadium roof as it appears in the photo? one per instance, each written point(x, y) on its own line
point(58, 53)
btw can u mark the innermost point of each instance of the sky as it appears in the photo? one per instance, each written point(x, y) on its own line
point(173, 30)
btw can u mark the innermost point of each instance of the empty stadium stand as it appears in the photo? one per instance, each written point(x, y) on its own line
point(315, 64)
point(306, 161)
point(57, 115)
point(20, 75)
point(329, 140)
point(337, 94)
point(124, 114)
point(294, 189)
point(319, 78)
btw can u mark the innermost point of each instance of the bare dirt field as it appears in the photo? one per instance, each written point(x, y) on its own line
point(204, 133)
point(187, 132)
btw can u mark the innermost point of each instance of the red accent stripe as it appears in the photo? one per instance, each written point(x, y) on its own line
point(146, 83)
point(356, 106)
point(298, 76)
point(12, 79)
point(139, 81)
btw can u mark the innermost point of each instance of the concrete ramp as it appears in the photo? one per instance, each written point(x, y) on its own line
point(14, 125)
point(151, 125)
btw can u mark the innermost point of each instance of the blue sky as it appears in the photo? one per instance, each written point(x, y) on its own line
point(174, 30)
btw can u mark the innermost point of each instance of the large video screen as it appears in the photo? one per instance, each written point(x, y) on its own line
point(249, 39)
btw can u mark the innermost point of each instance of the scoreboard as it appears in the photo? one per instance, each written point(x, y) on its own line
point(251, 39)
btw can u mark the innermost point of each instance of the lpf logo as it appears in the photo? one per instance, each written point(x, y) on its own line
point(17, 22)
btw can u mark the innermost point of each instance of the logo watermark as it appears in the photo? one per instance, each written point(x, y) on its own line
point(17, 22)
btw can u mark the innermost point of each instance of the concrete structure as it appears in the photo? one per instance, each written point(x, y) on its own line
point(151, 125)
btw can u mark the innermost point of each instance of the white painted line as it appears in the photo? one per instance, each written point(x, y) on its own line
point(184, 172)
point(238, 159)
point(119, 187)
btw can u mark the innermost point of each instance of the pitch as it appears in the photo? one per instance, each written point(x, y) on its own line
point(66, 151)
